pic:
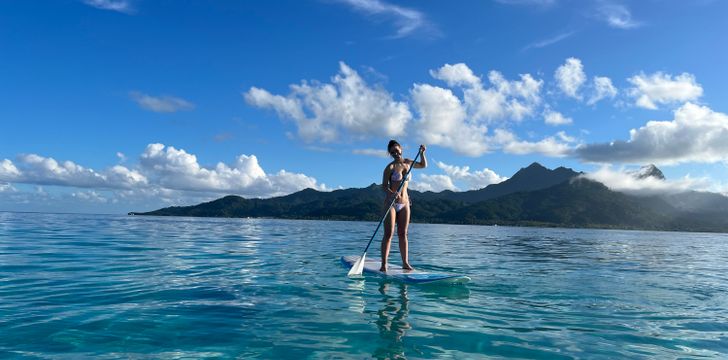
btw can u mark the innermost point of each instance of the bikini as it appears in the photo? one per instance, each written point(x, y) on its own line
point(397, 176)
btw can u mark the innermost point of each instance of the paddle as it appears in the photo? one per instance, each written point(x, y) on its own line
point(359, 264)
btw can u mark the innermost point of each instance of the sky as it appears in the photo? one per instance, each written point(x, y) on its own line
point(111, 106)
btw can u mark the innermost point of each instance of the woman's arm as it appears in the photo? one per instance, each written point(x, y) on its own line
point(385, 180)
point(423, 160)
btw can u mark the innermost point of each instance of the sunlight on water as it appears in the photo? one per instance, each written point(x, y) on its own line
point(100, 286)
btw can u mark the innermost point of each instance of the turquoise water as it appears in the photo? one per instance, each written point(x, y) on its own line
point(103, 286)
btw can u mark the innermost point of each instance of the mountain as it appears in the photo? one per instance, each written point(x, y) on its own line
point(533, 177)
point(647, 172)
point(533, 196)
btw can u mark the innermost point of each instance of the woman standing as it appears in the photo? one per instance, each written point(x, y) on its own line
point(400, 213)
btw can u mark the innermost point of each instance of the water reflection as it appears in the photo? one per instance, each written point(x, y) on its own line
point(392, 320)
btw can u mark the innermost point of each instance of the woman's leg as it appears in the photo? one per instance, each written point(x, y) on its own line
point(387, 238)
point(403, 219)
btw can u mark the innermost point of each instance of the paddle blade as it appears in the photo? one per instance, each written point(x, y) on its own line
point(358, 267)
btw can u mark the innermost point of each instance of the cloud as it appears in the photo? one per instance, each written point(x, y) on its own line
point(176, 169)
point(540, 3)
point(39, 170)
point(121, 6)
point(434, 183)
point(696, 134)
point(371, 152)
point(617, 16)
point(473, 179)
point(407, 21)
point(550, 41)
point(624, 181)
point(603, 88)
point(549, 146)
point(555, 118)
point(161, 104)
point(570, 76)
point(504, 99)
point(346, 106)
point(660, 88)
point(443, 121)
point(162, 170)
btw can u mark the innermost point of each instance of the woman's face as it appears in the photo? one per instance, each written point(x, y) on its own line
point(395, 151)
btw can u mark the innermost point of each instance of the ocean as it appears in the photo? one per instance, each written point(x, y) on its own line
point(130, 287)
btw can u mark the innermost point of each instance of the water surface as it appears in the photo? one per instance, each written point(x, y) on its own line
point(107, 286)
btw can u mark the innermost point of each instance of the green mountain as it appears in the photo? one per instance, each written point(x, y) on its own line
point(534, 196)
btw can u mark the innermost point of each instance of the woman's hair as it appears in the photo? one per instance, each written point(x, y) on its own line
point(393, 143)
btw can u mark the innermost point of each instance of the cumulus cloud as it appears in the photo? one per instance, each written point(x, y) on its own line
point(659, 89)
point(161, 104)
point(162, 170)
point(36, 169)
point(603, 88)
point(549, 146)
point(434, 183)
point(121, 6)
point(503, 100)
point(179, 170)
point(624, 181)
point(461, 124)
point(570, 77)
point(696, 134)
point(555, 118)
point(617, 16)
point(407, 21)
point(443, 121)
point(473, 179)
point(348, 105)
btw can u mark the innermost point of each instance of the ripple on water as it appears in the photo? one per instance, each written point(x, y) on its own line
point(107, 287)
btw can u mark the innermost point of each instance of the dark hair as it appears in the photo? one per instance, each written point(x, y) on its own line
point(393, 143)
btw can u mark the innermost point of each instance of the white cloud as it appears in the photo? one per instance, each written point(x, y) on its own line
point(555, 118)
point(617, 16)
point(121, 6)
point(163, 170)
point(161, 104)
point(603, 88)
point(90, 195)
point(549, 41)
point(660, 88)
point(371, 152)
point(407, 21)
point(36, 169)
point(443, 121)
point(456, 75)
point(696, 134)
point(570, 77)
point(542, 3)
point(178, 170)
point(550, 146)
point(624, 181)
point(348, 105)
point(434, 183)
point(474, 179)
point(504, 100)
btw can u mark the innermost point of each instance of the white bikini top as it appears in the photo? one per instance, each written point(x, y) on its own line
point(396, 176)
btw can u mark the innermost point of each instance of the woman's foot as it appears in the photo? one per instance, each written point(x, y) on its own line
point(383, 268)
point(407, 267)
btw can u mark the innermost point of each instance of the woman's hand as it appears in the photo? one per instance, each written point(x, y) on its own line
point(423, 148)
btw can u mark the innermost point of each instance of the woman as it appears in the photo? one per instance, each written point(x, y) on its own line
point(400, 213)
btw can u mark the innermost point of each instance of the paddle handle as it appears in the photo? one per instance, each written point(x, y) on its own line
point(401, 185)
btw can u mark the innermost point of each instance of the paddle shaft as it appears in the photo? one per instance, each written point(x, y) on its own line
point(401, 185)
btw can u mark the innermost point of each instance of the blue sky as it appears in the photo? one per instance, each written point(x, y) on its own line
point(116, 106)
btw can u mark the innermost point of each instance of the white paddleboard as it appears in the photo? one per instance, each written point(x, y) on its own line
point(409, 276)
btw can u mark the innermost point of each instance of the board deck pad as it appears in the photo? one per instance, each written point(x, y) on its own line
point(372, 266)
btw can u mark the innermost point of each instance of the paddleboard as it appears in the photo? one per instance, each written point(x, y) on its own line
point(372, 266)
